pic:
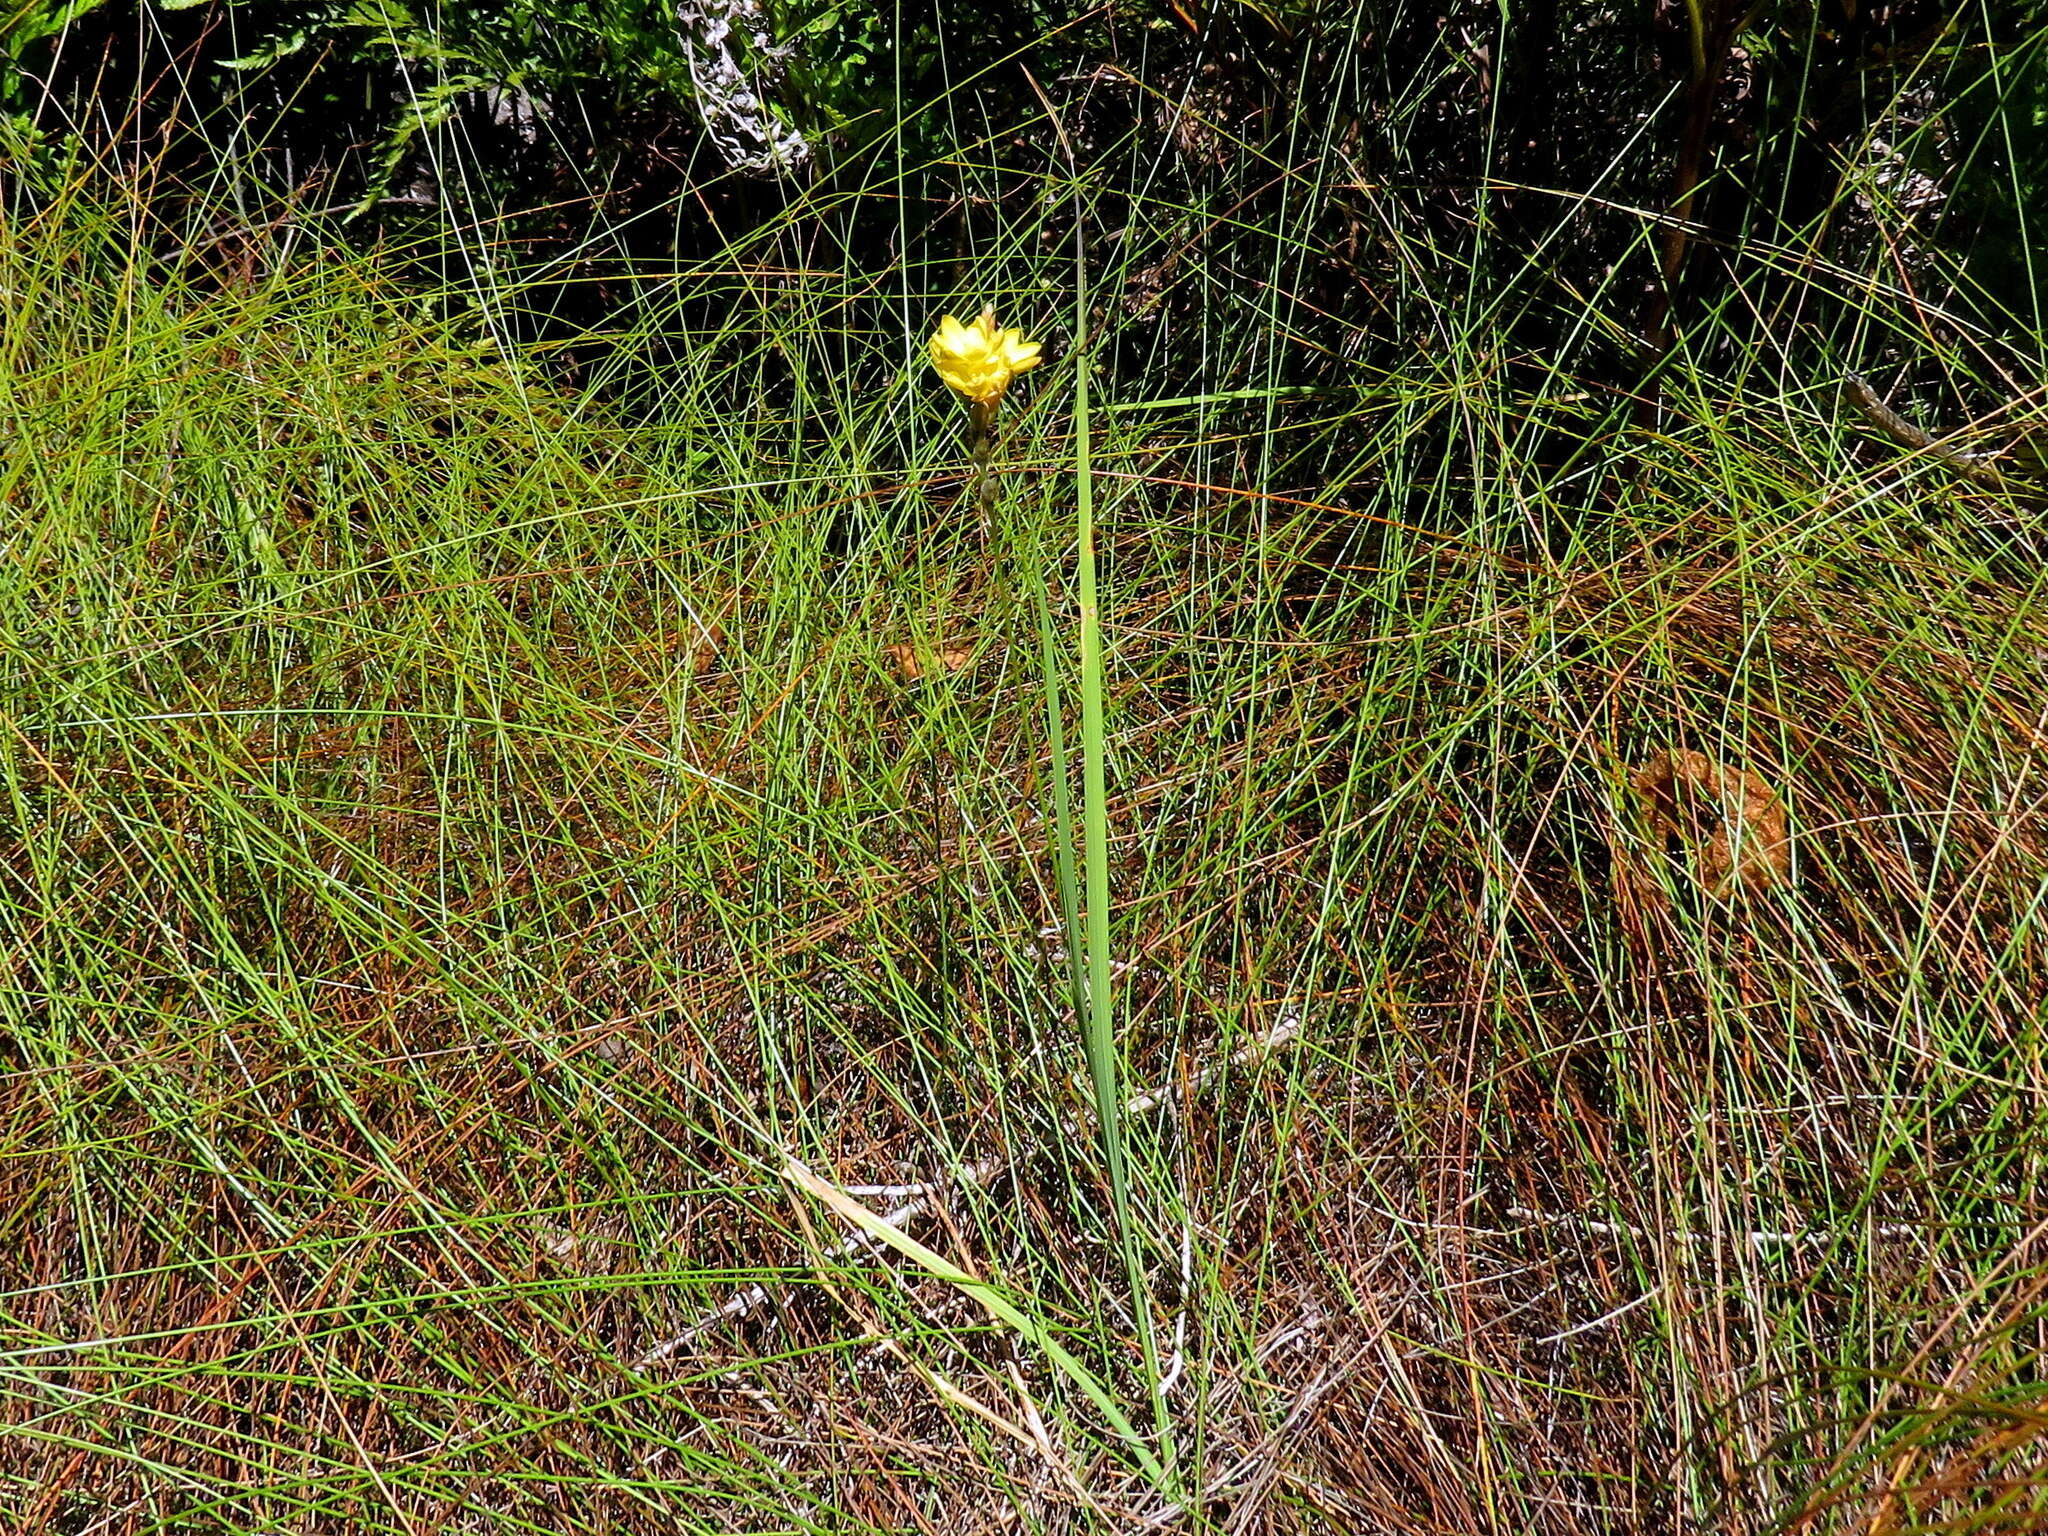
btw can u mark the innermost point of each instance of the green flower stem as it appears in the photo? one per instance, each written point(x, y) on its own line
point(981, 448)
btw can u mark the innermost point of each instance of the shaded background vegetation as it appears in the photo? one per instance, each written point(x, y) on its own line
point(1645, 161)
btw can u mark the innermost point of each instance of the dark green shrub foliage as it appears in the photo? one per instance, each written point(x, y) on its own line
point(1542, 159)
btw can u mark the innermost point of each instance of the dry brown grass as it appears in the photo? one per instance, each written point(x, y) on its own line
point(1575, 1218)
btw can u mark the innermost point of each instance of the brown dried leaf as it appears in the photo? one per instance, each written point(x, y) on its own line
point(915, 661)
point(709, 641)
point(1727, 823)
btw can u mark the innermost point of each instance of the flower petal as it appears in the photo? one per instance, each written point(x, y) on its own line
point(981, 359)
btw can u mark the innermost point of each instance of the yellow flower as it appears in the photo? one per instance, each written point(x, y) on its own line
point(980, 359)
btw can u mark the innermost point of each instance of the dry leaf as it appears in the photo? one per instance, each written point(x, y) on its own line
point(916, 661)
point(709, 641)
point(1726, 823)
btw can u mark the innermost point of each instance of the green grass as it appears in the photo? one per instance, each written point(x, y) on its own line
point(467, 837)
